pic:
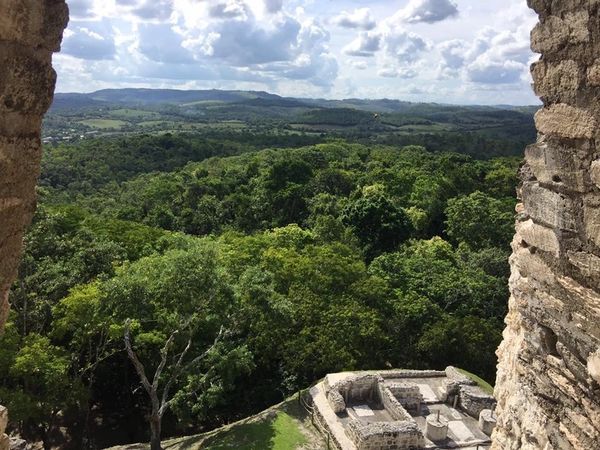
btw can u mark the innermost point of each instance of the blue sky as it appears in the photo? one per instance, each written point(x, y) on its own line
point(449, 51)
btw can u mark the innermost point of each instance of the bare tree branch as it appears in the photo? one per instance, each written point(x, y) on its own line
point(164, 352)
point(139, 367)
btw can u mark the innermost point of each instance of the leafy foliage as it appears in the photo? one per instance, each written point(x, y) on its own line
point(327, 257)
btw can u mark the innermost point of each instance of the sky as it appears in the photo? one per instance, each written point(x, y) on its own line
point(445, 51)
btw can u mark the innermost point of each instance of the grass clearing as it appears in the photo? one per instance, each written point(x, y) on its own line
point(487, 387)
point(129, 113)
point(104, 124)
point(277, 433)
point(286, 426)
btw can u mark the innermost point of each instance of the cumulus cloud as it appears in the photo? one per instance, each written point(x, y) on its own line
point(229, 9)
point(81, 8)
point(492, 57)
point(167, 49)
point(428, 11)
point(89, 40)
point(273, 6)
point(402, 45)
point(487, 71)
point(359, 18)
point(366, 44)
point(246, 42)
point(360, 65)
point(395, 72)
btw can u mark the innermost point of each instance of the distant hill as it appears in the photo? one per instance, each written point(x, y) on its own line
point(174, 96)
point(258, 98)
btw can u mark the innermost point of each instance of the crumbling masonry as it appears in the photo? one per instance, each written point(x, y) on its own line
point(548, 385)
point(30, 31)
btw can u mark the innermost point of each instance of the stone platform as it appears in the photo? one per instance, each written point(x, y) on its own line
point(387, 410)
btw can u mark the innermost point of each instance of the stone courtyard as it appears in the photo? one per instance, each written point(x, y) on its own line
point(404, 409)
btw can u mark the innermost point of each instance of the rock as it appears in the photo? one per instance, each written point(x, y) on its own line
point(487, 421)
point(593, 366)
point(556, 165)
point(548, 375)
point(19, 444)
point(336, 401)
point(538, 236)
point(593, 74)
point(565, 121)
point(30, 30)
point(548, 207)
point(595, 173)
point(588, 263)
point(3, 419)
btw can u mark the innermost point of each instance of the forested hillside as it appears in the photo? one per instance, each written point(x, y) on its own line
point(277, 259)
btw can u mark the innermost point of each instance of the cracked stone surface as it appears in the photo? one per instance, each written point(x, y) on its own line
point(30, 31)
point(548, 387)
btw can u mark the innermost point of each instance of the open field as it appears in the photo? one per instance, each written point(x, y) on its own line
point(104, 124)
point(282, 427)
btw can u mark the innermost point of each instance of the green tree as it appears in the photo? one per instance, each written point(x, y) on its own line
point(378, 223)
point(44, 384)
point(174, 312)
point(480, 221)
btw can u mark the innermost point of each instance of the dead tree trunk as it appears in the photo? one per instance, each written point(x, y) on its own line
point(161, 403)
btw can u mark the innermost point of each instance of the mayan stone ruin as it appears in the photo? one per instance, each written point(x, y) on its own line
point(403, 410)
point(548, 383)
point(30, 31)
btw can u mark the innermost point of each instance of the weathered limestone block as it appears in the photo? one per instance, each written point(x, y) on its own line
point(595, 173)
point(30, 30)
point(38, 24)
point(487, 421)
point(538, 236)
point(336, 401)
point(548, 207)
point(566, 121)
point(436, 428)
point(551, 34)
point(4, 441)
point(473, 400)
point(587, 263)
point(549, 361)
point(593, 74)
point(3, 419)
point(591, 217)
point(557, 81)
point(558, 165)
point(593, 366)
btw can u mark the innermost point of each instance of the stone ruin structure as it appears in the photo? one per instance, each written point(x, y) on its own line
point(548, 384)
point(30, 31)
point(403, 410)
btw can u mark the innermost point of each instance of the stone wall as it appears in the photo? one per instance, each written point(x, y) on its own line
point(30, 31)
point(548, 384)
point(473, 400)
point(4, 442)
point(386, 435)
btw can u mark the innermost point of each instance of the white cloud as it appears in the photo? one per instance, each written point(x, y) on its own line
point(402, 45)
point(359, 18)
point(366, 44)
point(90, 40)
point(282, 46)
point(493, 57)
point(273, 6)
point(360, 65)
point(428, 11)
